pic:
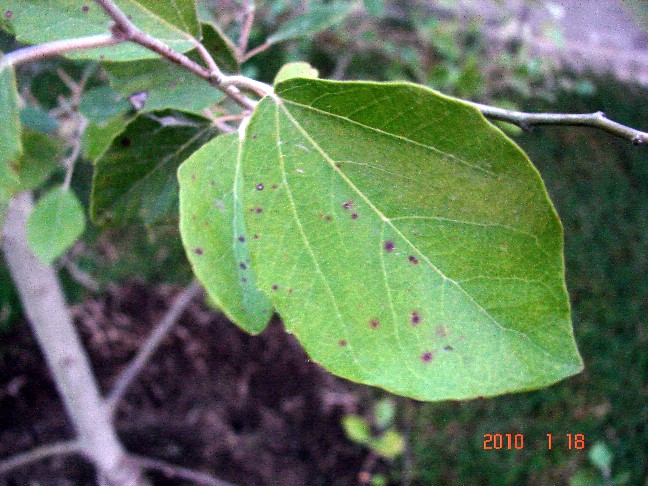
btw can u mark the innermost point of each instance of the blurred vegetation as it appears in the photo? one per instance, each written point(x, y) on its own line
point(598, 185)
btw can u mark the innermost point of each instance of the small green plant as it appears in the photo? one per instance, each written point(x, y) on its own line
point(404, 239)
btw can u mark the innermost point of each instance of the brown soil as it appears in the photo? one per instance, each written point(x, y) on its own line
point(250, 410)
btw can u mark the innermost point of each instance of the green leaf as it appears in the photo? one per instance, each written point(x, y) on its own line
point(405, 241)
point(136, 175)
point(40, 21)
point(319, 17)
point(601, 456)
point(54, 224)
point(384, 413)
point(221, 47)
point(211, 225)
point(164, 85)
point(38, 119)
point(295, 70)
point(10, 145)
point(356, 429)
point(97, 137)
point(38, 161)
point(101, 104)
point(390, 445)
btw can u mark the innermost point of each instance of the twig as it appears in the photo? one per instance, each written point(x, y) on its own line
point(173, 471)
point(77, 145)
point(248, 20)
point(40, 453)
point(55, 48)
point(594, 120)
point(125, 29)
point(258, 49)
point(149, 347)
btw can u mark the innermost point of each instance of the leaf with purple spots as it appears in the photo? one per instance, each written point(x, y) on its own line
point(214, 237)
point(439, 191)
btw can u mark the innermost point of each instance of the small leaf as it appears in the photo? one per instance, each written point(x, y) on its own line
point(211, 225)
point(40, 21)
point(136, 175)
point(319, 17)
point(384, 413)
point(97, 137)
point(165, 85)
point(221, 48)
point(390, 445)
point(422, 248)
point(356, 429)
point(54, 224)
point(38, 161)
point(295, 70)
point(601, 456)
point(38, 119)
point(101, 104)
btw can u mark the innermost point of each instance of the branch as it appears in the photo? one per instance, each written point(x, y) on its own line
point(150, 346)
point(173, 471)
point(125, 29)
point(594, 120)
point(248, 20)
point(40, 453)
point(57, 47)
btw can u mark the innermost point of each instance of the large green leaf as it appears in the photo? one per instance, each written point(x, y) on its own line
point(10, 145)
point(54, 224)
point(405, 241)
point(39, 21)
point(211, 225)
point(135, 177)
point(165, 85)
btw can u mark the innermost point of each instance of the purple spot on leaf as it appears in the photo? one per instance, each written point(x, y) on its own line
point(172, 84)
point(198, 251)
point(415, 318)
point(241, 239)
point(258, 210)
point(354, 216)
point(275, 287)
point(259, 187)
point(413, 259)
point(242, 266)
point(244, 280)
point(256, 237)
point(427, 357)
point(347, 204)
point(342, 342)
point(85, 9)
point(8, 14)
point(448, 348)
point(374, 323)
point(389, 246)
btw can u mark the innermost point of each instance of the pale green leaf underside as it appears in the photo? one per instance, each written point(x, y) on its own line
point(39, 21)
point(54, 224)
point(405, 241)
point(320, 16)
point(211, 225)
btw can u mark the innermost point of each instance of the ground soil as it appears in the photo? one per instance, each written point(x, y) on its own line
point(250, 410)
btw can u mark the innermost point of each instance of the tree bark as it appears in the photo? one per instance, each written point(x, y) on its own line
point(45, 308)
